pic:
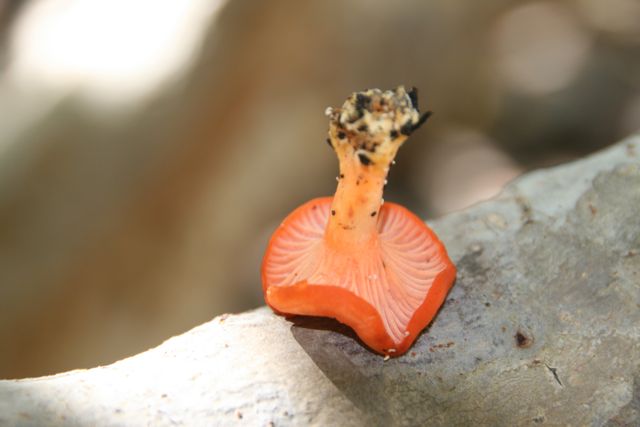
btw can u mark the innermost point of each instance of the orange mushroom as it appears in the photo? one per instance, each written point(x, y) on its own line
point(373, 266)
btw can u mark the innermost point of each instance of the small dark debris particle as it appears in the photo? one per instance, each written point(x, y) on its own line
point(239, 415)
point(503, 329)
point(364, 159)
point(373, 213)
point(362, 101)
point(487, 304)
point(406, 128)
point(413, 354)
point(333, 213)
point(522, 340)
point(413, 96)
point(163, 395)
point(393, 134)
point(363, 128)
point(524, 205)
point(538, 419)
point(341, 175)
point(342, 135)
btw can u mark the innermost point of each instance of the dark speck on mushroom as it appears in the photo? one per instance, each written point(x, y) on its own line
point(406, 128)
point(413, 96)
point(364, 159)
point(362, 101)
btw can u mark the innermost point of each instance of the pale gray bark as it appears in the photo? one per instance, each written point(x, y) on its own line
point(542, 327)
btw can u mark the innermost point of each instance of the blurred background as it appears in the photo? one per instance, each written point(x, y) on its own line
point(148, 148)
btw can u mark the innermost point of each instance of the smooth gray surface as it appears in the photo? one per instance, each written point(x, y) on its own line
point(541, 328)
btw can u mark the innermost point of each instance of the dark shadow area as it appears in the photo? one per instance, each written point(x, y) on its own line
point(326, 324)
point(363, 376)
point(329, 343)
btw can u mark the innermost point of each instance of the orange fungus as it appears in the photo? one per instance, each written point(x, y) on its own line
point(373, 266)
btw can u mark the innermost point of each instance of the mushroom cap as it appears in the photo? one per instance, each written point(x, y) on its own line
point(387, 291)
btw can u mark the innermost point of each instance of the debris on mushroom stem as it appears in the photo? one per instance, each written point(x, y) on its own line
point(376, 123)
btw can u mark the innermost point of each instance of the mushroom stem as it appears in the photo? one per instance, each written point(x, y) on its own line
point(356, 203)
point(366, 133)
